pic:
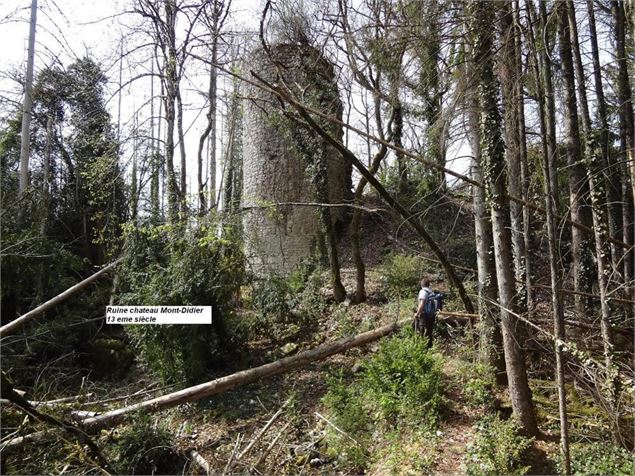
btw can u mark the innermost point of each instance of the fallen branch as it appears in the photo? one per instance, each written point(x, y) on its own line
point(219, 385)
point(139, 393)
point(271, 445)
point(12, 326)
point(230, 463)
point(263, 431)
point(340, 431)
point(313, 204)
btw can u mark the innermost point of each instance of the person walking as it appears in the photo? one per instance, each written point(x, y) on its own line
point(426, 311)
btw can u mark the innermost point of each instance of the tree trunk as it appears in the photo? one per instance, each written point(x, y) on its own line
point(154, 157)
point(402, 174)
point(508, 70)
point(211, 126)
point(360, 287)
point(627, 135)
point(491, 339)
point(550, 171)
point(494, 172)
point(578, 184)
point(613, 192)
point(524, 166)
point(183, 170)
point(25, 135)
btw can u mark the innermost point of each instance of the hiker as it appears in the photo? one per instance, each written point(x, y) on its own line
point(428, 303)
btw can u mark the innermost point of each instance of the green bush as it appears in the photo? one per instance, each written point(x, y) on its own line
point(400, 275)
point(144, 448)
point(399, 388)
point(497, 449)
point(345, 404)
point(271, 300)
point(166, 266)
point(404, 379)
point(478, 386)
point(600, 459)
point(285, 305)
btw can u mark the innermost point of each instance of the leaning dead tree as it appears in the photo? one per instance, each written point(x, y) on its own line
point(13, 326)
point(220, 385)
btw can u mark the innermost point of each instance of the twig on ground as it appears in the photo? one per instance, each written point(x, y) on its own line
point(270, 447)
point(232, 457)
point(262, 431)
point(337, 429)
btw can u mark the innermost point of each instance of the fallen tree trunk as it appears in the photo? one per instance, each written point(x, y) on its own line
point(12, 326)
point(238, 379)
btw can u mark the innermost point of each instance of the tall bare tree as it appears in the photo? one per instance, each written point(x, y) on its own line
point(25, 136)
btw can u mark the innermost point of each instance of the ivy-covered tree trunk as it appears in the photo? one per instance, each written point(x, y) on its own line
point(168, 45)
point(491, 339)
point(524, 165)
point(594, 165)
point(494, 173)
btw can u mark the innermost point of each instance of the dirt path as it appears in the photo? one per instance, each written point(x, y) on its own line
point(456, 430)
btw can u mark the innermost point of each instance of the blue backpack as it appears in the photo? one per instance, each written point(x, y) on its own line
point(434, 303)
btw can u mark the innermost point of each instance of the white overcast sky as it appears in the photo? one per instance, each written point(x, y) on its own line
point(70, 29)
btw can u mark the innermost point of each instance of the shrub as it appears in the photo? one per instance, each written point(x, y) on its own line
point(600, 459)
point(497, 449)
point(165, 265)
point(271, 301)
point(346, 409)
point(404, 379)
point(400, 275)
point(143, 448)
point(284, 305)
point(478, 388)
point(399, 387)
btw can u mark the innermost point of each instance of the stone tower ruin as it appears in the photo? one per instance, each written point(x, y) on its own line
point(278, 238)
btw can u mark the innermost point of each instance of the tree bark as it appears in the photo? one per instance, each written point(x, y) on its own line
point(578, 184)
point(183, 169)
point(25, 135)
point(627, 136)
point(494, 172)
point(550, 171)
point(491, 339)
point(508, 69)
point(524, 166)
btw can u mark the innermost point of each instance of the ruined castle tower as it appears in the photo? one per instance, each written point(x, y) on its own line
point(278, 238)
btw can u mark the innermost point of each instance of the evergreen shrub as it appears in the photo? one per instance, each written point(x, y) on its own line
point(399, 388)
point(168, 266)
point(497, 449)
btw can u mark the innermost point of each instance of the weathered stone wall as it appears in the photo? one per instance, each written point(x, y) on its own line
point(277, 239)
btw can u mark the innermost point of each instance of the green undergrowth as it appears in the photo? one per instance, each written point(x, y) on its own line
point(166, 265)
point(394, 403)
point(592, 458)
point(145, 446)
point(498, 448)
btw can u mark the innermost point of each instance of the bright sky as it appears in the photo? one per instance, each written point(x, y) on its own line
point(69, 29)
